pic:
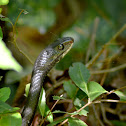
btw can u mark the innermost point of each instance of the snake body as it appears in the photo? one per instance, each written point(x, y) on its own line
point(44, 63)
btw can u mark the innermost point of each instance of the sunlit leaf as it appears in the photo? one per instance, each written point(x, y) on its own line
point(13, 119)
point(50, 115)
point(76, 122)
point(121, 95)
point(4, 93)
point(94, 90)
point(70, 88)
point(44, 109)
point(6, 59)
point(0, 10)
point(42, 102)
point(4, 2)
point(27, 89)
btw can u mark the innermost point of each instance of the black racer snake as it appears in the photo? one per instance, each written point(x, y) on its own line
point(44, 63)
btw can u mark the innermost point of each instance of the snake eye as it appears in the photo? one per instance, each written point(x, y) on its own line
point(61, 47)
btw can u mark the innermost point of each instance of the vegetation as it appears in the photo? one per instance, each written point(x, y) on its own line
point(88, 86)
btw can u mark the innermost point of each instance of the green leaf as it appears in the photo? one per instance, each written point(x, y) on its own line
point(50, 115)
point(5, 108)
point(13, 119)
point(76, 122)
point(4, 93)
point(79, 104)
point(1, 33)
point(27, 89)
point(80, 75)
point(58, 97)
point(70, 88)
point(3, 18)
point(81, 95)
point(121, 95)
point(6, 59)
point(42, 102)
point(58, 111)
point(94, 90)
point(44, 109)
point(4, 2)
point(58, 121)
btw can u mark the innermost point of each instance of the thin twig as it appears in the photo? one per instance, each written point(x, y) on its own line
point(14, 37)
point(96, 102)
point(76, 111)
point(92, 61)
point(57, 84)
point(50, 111)
point(109, 70)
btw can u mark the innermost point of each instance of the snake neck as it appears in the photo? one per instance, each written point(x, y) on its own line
point(33, 97)
point(44, 63)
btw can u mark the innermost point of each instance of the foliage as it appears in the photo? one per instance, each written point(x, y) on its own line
point(8, 114)
point(7, 61)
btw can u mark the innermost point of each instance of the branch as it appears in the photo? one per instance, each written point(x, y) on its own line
point(109, 70)
point(92, 61)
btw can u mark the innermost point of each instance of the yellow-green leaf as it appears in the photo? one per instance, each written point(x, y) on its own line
point(13, 119)
point(6, 59)
point(4, 2)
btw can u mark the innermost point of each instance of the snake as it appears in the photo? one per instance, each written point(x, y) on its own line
point(46, 60)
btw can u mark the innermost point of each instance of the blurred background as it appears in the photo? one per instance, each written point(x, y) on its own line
point(91, 24)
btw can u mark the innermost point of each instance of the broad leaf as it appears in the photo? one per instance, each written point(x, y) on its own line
point(4, 93)
point(80, 75)
point(6, 59)
point(5, 108)
point(70, 88)
point(94, 90)
point(13, 119)
point(76, 122)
